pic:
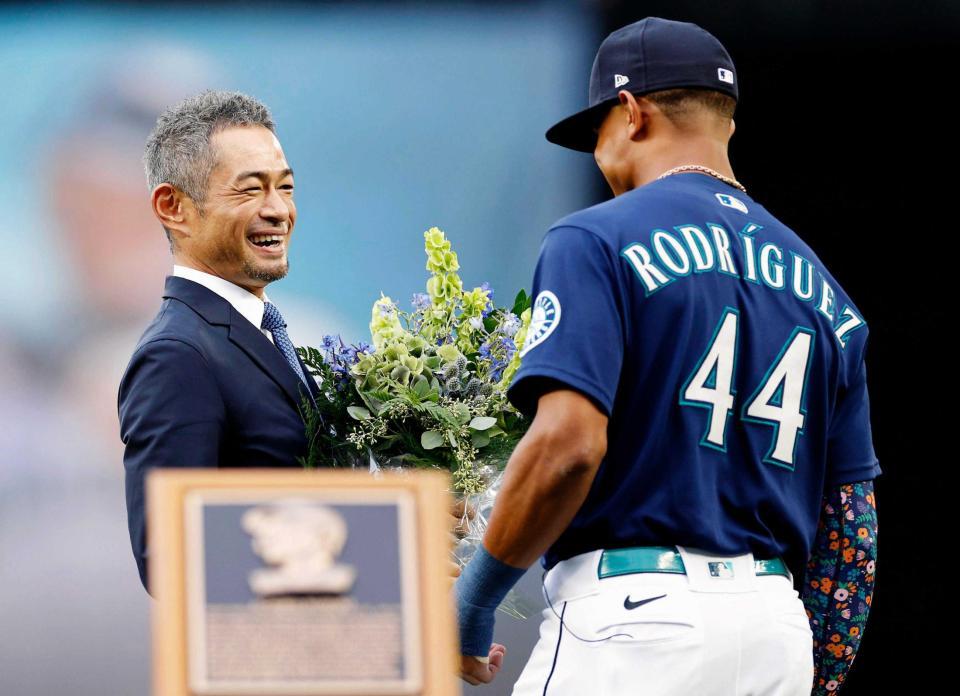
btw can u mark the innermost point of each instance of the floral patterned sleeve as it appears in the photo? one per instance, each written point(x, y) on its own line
point(838, 586)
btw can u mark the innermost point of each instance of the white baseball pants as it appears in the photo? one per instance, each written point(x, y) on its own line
point(699, 635)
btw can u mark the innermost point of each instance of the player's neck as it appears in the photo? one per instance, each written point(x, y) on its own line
point(647, 166)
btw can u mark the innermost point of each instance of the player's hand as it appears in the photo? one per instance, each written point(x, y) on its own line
point(475, 672)
point(455, 571)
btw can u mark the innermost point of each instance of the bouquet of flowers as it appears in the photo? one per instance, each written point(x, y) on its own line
point(428, 391)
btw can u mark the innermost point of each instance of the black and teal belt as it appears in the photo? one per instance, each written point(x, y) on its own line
point(665, 559)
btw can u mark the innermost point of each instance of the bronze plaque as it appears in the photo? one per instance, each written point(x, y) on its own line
point(309, 590)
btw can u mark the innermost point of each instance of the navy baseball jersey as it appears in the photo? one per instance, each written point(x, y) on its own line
point(728, 359)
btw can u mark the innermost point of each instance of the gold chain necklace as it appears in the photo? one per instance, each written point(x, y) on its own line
point(704, 170)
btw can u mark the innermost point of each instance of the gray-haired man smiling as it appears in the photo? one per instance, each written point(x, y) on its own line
point(214, 380)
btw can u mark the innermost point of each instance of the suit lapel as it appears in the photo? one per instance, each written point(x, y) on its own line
point(216, 310)
point(252, 342)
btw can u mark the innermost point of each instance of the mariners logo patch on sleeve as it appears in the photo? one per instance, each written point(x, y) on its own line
point(545, 318)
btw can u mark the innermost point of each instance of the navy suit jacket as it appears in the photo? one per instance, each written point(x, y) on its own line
point(204, 388)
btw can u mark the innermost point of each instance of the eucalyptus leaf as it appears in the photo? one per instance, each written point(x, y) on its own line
point(431, 439)
point(483, 423)
point(441, 413)
point(479, 439)
point(358, 413)
point(461, 413)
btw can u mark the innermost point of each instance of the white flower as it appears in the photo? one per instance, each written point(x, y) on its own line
point(510, 324)
point(476, 323)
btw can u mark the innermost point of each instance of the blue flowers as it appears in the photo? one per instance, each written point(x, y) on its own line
point(420, 300)
point(490, 306)
point(498, 352)
point(341, 357)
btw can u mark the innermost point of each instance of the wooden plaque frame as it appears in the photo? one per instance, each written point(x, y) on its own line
point(169, 492)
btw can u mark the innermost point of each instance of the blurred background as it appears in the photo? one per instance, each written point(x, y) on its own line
point(398, 116)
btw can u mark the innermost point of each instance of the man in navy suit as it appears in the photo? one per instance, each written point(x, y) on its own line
point(214, 381)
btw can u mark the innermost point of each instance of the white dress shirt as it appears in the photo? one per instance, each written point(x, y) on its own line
point(244, 301)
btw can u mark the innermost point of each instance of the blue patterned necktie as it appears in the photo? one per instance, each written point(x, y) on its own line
point(274, 323)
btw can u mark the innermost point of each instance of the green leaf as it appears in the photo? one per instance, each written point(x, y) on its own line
point(483, 423)
point(431, 439)
point(479, 439)
point(461, 413)
point(358, 413)
point(441, 413)
point(401, 374)
point(421, 387)
point(372, 402)
point(521, 303)
point(453, 439)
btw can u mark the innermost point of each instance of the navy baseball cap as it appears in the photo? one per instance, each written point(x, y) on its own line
point(647, 56)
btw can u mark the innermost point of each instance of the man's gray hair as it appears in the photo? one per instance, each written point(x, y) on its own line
point(178, 151)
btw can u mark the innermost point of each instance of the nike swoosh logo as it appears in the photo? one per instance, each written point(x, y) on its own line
point(627, 604)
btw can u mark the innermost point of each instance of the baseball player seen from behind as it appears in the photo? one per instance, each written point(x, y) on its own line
point(701, 430)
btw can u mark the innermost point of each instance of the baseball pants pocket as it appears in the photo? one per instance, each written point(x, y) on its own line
point(631, 638)
point(651, 639)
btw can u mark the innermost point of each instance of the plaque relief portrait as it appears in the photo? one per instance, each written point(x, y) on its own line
point(301, 542)
point(302, 594)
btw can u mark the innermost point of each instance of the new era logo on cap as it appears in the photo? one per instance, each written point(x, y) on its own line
point(725, 75)
point(620, 80)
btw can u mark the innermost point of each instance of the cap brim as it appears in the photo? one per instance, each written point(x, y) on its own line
point(578, 132)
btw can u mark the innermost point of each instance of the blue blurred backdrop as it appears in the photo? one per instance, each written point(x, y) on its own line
point(394, 117)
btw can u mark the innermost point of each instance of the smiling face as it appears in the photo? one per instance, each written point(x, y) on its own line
point(243, 233)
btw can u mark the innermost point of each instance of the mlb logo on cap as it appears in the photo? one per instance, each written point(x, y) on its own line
point(725, 75)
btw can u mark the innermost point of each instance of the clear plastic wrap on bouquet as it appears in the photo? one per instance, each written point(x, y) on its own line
point(471, 513)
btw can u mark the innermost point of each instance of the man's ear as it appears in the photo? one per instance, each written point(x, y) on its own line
point(635, 114)
point(170, 207)
point(733, 128)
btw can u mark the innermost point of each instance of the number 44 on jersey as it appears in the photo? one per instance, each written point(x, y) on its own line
point(777, 402)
